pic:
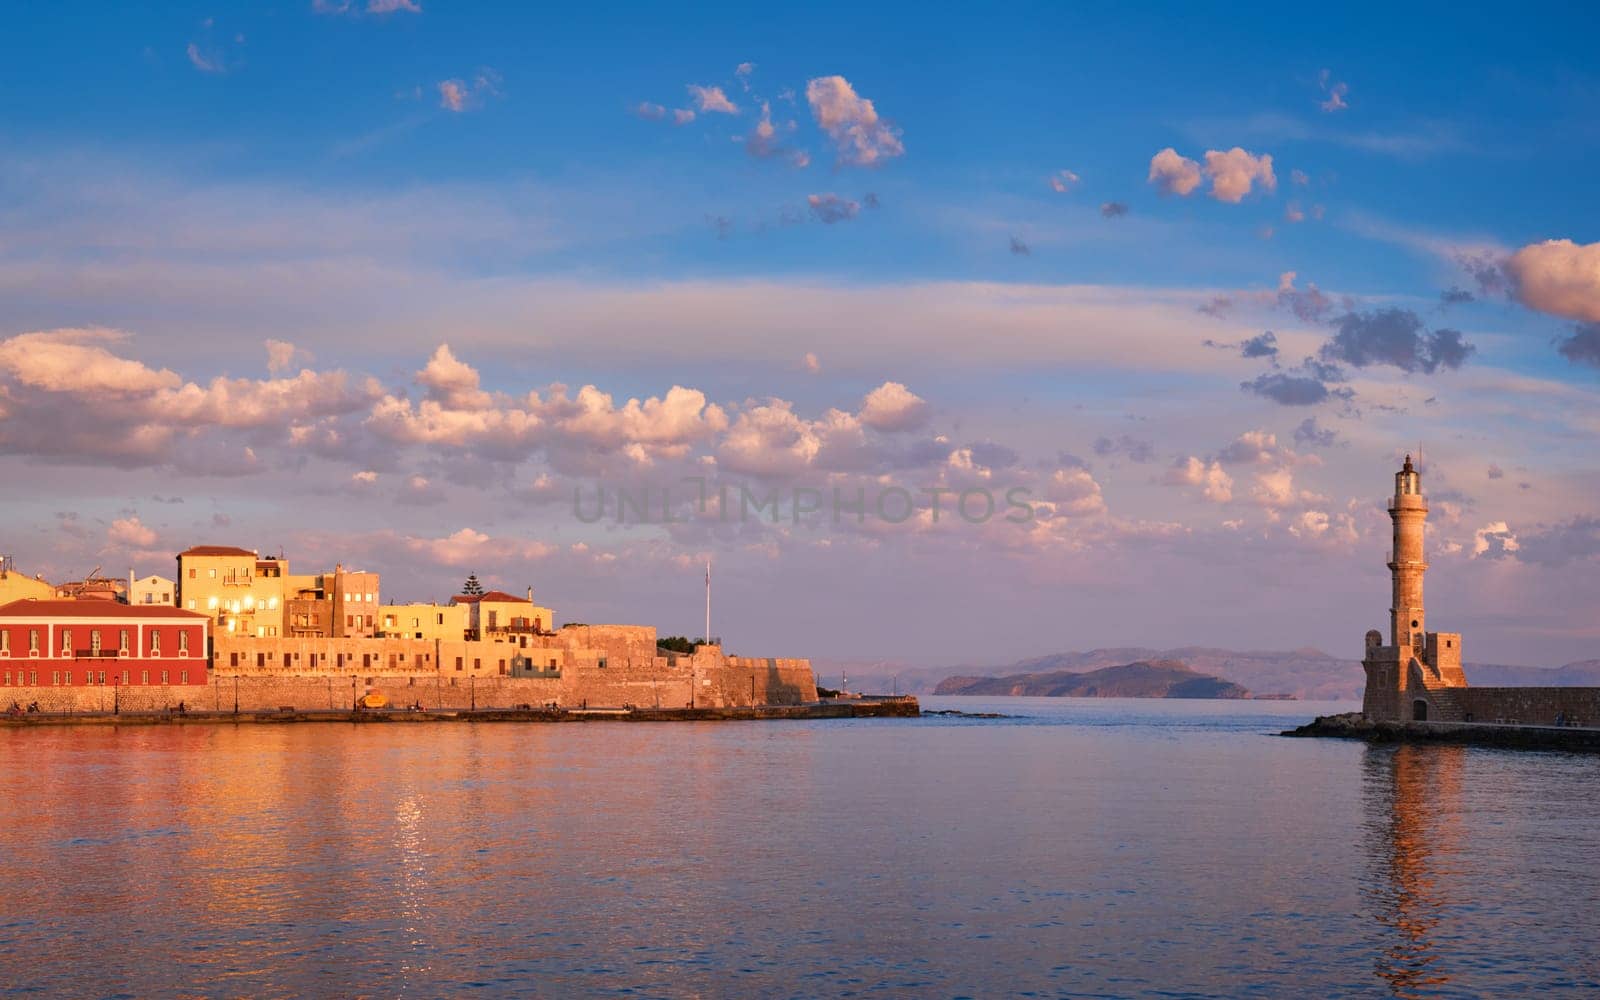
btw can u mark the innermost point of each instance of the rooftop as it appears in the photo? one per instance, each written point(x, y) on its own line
point(60, 608)
point(216, 550)
point(496, 596)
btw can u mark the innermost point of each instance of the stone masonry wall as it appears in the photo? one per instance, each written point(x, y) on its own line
point(1530, 705)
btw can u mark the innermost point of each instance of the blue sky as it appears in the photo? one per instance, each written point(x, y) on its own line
point(180, 186)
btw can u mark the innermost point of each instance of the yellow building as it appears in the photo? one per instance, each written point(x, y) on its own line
point(16, 587)
point(422, 621)
point(242, 592)
point(499, 616)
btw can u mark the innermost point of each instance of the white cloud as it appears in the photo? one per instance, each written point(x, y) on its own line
point(1214, 482)
point(204, 62)
point(1063, 181)
point(712, 99)
point(1559, 277)
point(130, 533)
point(893, 407)
point(851, 121)
point(1234, 172)
point(1174, 174)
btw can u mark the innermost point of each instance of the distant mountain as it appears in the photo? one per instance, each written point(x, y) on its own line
point(1145, 679)
point(1308, 674)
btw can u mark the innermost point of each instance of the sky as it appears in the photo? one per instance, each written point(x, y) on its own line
point(946, 337)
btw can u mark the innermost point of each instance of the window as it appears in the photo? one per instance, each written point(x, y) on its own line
point(155, 643)
point(5, 643)
point(183, 677)
point(369, 598)
point(122, 646)
point(191, 604)
point(102, 678)
point(191, 572)
point(124, 677)
point(94, 641)
point(33, 678)
point(183, 644)
point(33, 642)
point(369, 621)
point(212, 573)
point(55, 677)
point(163, 677)
point(66, 642)
point(458, 663)
point(441, 619)
point(144, 677)
point(8, 678)
point(477, 664)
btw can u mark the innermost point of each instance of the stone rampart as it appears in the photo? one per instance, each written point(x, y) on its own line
point(1530, 705)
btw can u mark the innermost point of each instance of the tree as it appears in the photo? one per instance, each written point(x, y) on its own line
point(473, 587)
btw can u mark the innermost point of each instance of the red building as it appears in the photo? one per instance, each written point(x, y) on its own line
point(65, 642)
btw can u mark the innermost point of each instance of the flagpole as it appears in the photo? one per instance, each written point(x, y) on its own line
point(708, 602)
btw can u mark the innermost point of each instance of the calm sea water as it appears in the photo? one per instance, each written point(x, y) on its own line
point(1089, 848)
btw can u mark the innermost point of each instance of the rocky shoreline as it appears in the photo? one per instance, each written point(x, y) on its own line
point(1353, 726)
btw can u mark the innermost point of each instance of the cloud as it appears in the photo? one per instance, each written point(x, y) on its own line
point(893, 407)
point(811, 364)
point(1214, 482)
point(1456, 297)
point(1174, 174)
point(1264, 345)
point(1300, 178)
point(830, 208)
point(682, 116)
point(1019, 248)
point(653, 112)
point(709, 100)
point(1396, 337)
point(1063, 181)
point(763, 143)
point(743, 72)
point(1558, 277)
point(393, 6)
point(1583, 347)
point(859, 136)
point(1307, 384)
point(1311, 433)
point(281, 355)
point(1292, 213)
point(205, 62)
point(1335, 89)
point(1234, 172)
point(456, 95)
point(1125, 444)
point(1113, 210)
point(1494, 540)
point(1308, 304)
point(1555, 544)
point(1495, 472)
point(130, 533)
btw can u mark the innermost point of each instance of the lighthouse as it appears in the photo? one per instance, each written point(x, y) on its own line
point(1410, 677)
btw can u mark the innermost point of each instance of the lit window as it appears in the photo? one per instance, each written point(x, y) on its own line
point(212, 573)
point(191, 604)
point(183, 642)
point(123, 646)
point(155, 643)
point(66, 643)
point(163, 677)
point(55, 677)
point(5, 643)
point(211, 603)
point(33, 640)
point(94, 641)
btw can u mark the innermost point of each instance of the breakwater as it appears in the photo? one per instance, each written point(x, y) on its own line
point(856, 708)
point(1354, 726)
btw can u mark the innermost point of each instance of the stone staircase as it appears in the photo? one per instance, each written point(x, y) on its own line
point(1447, 709)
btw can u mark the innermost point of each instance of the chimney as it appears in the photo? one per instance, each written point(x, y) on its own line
point(530, 595)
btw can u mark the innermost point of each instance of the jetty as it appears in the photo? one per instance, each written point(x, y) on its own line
point(1502, 735)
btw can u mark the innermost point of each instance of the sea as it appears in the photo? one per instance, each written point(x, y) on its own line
point(1072, 848)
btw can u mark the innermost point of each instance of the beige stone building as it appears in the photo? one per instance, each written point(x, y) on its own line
point(422, 621)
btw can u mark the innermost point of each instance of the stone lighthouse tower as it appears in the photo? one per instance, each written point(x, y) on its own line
point(1411, 676)
point(1407, 561)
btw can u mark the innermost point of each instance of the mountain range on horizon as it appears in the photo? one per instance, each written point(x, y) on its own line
point(1306, 673)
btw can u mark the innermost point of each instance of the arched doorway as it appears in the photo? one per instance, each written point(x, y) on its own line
point(1419, 710)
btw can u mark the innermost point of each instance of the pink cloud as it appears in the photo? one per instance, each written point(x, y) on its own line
point(851, 121)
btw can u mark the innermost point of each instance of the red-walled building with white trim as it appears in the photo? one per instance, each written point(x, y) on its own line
point(65, 643)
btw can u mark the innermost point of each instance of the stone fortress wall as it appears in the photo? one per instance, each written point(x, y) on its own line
point(594, 666)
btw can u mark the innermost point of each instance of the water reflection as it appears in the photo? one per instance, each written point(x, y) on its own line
point(1411, 798)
